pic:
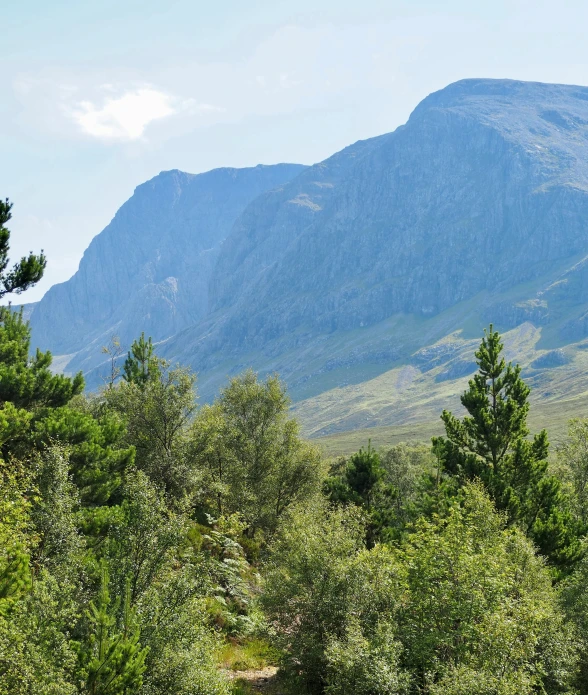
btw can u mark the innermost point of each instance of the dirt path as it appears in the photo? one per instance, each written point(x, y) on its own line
point(260, 681)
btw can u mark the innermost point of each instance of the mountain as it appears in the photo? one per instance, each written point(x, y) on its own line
point(149, 269)
point(371, 274)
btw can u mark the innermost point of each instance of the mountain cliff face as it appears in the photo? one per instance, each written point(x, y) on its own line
point(474, 211)
point(483, 191)
point(149, 269)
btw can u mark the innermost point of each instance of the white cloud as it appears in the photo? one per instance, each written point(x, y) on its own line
point(124, 117)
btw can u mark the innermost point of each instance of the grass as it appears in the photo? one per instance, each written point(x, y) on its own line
point(249, 654)
point(345, 443)
point(553, 416)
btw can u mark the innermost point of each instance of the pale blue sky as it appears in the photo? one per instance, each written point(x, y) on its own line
point(100, 96)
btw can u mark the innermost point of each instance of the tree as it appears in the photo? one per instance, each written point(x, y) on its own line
point(366, 665)
point(412, 473)
point(157, 413)
point(25, 381)
point(150, 563)
point(307, 592)
point(145, 539)
point(251, 454)
point(98, 453)
point(574, 595)
point(360, 481)
point(24, 274)
point(573, 456)
point(114, 351)
point(35, 656)
point(112, 661)
point(141, 365)
point(15, 527)
point(479, 612)
point(491, 444)
point(363, 473)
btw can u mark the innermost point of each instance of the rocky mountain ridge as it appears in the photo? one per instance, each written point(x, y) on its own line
point(474, 211)
point(149, 269)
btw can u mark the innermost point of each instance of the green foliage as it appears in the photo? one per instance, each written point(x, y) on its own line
point(249, 653)
point(24, 274)
point(141, 365)
point(479, 604)
point(188, 671)
point(112, 661)
point(60, 548)
point(98, 451)
point(251, 454)
point(145, 539)
point(574, 596)
point(36, 410)
point(365, 666)
point(491, 444)
point(463, 600)
point(573, 460)
point(15, 538)
point(393, 489)
point(157, 413)
point(134, 493)
point(413, 474)
point(232, 606)
point(359, 479)
point(27, 382)
point(35, 653)
point(307, 593)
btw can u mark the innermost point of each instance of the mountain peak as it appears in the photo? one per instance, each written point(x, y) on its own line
point(504, 92)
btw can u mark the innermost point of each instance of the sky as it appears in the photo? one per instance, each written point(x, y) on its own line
point(99, 96)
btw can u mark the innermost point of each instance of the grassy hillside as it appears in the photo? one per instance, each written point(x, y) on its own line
point(553, 416)
point(404, 404)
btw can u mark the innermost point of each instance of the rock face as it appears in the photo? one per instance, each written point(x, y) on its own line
point(484, 190)
point(476, 210)
point(149, 269)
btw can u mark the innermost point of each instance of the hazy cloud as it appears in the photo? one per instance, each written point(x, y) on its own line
point(124, 117)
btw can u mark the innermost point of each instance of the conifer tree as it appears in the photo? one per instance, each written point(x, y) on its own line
point(358, 480)
point(113, 661)
point(492, 444)
point(141, 365)
point(35, 411)
point(25, 381)
point(24, 274)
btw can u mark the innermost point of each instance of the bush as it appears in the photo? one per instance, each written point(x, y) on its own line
point(478, 600)
point(365, 666)
point(306, 588)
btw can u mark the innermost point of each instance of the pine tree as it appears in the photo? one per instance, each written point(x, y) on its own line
point(141, 365)
point(113, 661)
point(492, 444)
point(25, 381)
point(35, 412)
point(364, 473)
point(24, 274)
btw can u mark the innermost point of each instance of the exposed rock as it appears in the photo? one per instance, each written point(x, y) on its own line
point(475, 210)
point(508, 315)
point(149, 269)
